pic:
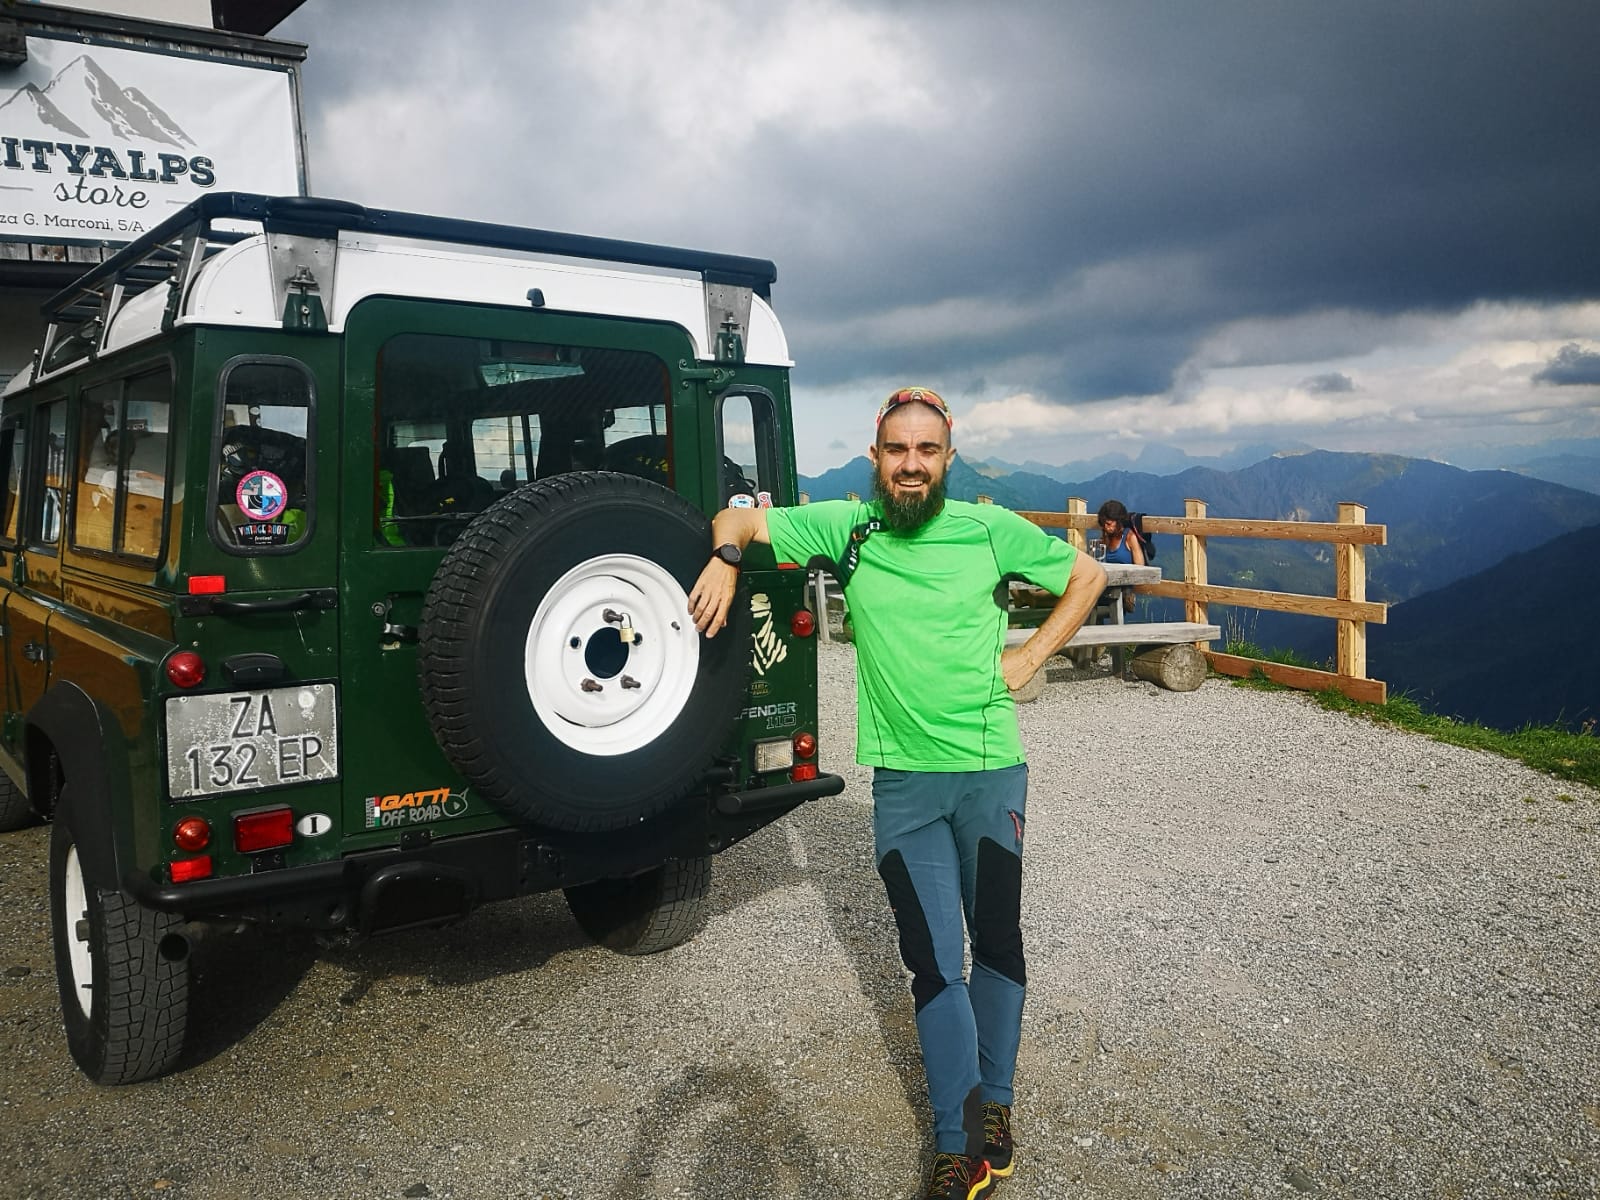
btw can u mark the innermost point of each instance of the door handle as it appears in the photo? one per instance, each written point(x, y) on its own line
point(205, 606)
point(35, 652)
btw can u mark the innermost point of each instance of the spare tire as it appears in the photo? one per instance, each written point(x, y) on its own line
point(558, 665)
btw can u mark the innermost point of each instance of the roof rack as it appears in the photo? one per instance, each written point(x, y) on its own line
point(172, 251)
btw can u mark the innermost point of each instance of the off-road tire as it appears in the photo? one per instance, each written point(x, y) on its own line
point(15, 811)
point(648, 913)
point(138, 968)
point(521, 589)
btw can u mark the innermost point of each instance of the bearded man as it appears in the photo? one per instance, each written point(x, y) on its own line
point(936, 722)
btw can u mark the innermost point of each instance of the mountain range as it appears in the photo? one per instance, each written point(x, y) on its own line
point(1571, 463)
point(1444, 525)
point(1503, 647)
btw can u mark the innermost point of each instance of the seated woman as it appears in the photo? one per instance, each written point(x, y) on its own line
point(1118, 542)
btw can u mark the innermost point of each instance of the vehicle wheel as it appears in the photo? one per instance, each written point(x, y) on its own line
point(15, 811)
point(122, 969)
point(650, 912)
point(529, 683)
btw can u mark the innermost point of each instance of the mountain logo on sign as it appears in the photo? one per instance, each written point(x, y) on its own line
point(82, 94)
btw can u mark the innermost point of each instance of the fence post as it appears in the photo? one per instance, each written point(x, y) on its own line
point(1350, 563)
point(1194, 567)
point(1077, 506)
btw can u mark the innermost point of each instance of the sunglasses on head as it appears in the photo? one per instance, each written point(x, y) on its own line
point(916, 395)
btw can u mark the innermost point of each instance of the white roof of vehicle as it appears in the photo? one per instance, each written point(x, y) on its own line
point(235, 288)
point(229, 281)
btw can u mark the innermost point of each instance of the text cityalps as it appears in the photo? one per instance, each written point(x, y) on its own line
point(105, 162)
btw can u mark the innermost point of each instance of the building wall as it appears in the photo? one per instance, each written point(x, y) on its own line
point(177, 12)
point(21, 327)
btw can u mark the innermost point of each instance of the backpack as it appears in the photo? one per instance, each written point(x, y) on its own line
point(1146, 542)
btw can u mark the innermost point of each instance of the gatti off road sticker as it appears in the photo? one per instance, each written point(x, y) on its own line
point(413, 808)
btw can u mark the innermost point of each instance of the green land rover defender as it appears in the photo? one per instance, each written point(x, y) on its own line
point(346, 557)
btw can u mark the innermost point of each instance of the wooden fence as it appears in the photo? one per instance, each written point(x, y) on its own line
point(1350, 535)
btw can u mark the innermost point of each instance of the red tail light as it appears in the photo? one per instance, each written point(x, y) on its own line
point(803, 772)
point(803, 624)
point(192, 833)
point(207, 585)
point(805, 745)
point(266, 829)
point(186, 669)
point(185, 869)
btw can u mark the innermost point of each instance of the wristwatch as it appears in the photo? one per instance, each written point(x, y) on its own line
point(730, 554)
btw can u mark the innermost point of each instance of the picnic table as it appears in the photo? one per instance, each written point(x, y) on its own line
point(1109, 627)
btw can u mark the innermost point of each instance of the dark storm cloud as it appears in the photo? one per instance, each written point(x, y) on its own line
point(1096, 186)
point(1571, 365)
point(1333, 381)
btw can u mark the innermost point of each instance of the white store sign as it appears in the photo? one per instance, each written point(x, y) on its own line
point(101, 143)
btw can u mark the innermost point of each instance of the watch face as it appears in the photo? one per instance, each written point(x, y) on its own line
point(729, 554)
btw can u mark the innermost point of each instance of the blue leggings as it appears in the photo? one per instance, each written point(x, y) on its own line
point(949, 846)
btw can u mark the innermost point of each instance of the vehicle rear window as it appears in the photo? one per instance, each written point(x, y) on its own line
point(263, 490)
point(464, 421)
point(748, 428)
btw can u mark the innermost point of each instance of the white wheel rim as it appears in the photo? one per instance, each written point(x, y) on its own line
point(75, 910)
point(593, 693)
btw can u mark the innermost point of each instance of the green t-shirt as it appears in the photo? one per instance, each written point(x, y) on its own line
point(930, 695)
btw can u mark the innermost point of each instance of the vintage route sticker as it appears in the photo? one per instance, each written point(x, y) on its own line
point(742, 500)
point(261, 496)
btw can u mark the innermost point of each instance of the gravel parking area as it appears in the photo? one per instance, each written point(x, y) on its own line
point(1274, 951)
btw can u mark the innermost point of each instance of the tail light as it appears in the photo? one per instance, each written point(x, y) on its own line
point(192, 833)
point(805, 745)
point(185, 869)
point(803, 624)
point(803, 772)
point(263, 829)
point(186, 669)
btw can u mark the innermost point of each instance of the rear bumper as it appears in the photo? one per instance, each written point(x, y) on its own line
point(384, 890)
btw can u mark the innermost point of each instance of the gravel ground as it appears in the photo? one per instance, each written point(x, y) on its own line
point(1273, 951)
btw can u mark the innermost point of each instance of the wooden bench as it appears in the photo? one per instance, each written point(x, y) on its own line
point(1166, 655)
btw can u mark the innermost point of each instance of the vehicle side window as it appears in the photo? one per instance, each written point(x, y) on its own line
point(44, 524)
point(748, 430)
point(13, 453)
point(121, 501)
point(264, 490)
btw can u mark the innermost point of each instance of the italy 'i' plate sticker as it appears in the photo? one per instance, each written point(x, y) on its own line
point(261, 495)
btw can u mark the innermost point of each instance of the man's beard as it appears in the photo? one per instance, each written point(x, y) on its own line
point(904, 515)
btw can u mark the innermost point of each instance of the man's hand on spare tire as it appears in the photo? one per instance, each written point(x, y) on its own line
point(712, 596)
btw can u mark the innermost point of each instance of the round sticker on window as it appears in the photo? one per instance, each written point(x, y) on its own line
point(742, 500)
point(261, 496)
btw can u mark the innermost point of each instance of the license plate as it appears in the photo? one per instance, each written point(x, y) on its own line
point(246, 741)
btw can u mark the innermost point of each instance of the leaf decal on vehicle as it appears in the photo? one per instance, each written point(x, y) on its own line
point(768, 649)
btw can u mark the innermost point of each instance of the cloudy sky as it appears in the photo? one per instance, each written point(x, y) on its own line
point(1093, 226)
